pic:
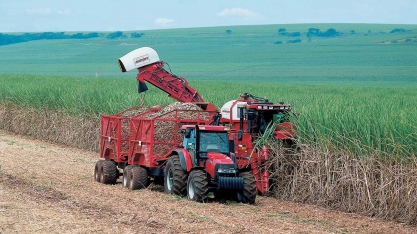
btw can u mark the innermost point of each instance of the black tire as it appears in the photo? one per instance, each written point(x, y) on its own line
point(138, 178)
point(175, 179)
point(248, 193)
point(108, 172)
point(197, 186)
point(97, 170)
point(126, 177)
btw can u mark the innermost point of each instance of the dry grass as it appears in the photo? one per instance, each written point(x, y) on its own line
point(369, 185)
point(54, 126)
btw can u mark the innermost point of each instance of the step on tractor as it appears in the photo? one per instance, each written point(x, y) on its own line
point(192, 152)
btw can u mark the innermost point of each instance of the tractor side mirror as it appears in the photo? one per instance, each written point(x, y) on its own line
point(187, 133)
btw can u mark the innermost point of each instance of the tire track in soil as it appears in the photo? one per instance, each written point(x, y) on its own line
point(57, 180)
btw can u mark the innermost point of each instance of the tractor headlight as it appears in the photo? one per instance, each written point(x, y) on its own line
point(226, 170)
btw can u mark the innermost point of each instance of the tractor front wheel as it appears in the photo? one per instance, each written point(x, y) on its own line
point(138, 178)
point(248, 193)
point(175, 178)
point(197, 186)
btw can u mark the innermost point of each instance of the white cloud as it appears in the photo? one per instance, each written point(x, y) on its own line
point(240, 13)
point(64, 12)
point(163, 21)
point(38, 11)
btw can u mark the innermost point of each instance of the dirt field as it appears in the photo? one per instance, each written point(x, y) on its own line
point(46, 188)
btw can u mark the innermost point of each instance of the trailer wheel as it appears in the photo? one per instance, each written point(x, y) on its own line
point(197, 186)
point(108, 173)
point(98, 170)
point(138, 178)
point(248, 193)
point(126, 177)
point(175, 178)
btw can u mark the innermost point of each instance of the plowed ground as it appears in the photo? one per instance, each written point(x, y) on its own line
point(46, 188)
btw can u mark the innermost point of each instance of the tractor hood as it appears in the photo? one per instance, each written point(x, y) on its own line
point(218, 163)
point(219, 158)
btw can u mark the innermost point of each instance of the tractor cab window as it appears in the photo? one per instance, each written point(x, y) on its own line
point(214, 142)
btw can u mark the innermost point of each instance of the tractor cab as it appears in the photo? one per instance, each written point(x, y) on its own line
point(203, 141)
point(210, 148)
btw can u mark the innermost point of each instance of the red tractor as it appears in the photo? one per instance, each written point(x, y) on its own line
point(236, 165)
point(206, 159)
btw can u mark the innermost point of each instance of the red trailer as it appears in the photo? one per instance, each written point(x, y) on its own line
point(145, 138)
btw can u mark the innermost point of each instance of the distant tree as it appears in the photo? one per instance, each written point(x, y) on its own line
point(93, 34)
point(298, 40)
point(369, 31)
point(294, 34)
point(228, 31)
point(6, 39)
point(136, 35)
point(84, 36)
point(278, 42)
point(331, 32)
point(352, 31)
point(77, 35)
point(282, 31)
point(313, 32)
point(115, 35)
point(396, 30)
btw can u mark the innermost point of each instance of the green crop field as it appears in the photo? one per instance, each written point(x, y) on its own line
point(353, 91)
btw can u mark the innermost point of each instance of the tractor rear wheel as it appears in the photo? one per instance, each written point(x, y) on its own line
point(126, 177)
point(97, 170)
point(138, 178)
point(248, 193)
point(175, 178)
point(108, 172)
point(197, 186)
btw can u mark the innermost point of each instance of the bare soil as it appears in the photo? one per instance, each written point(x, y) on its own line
point(48, 188)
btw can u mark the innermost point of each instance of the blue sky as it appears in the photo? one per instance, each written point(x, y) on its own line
point(126, 15)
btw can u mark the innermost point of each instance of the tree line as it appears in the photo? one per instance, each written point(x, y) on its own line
point(312, 32)
point(6, 39)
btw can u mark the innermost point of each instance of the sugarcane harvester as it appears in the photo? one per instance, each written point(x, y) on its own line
point(248, 117)
point(218, 153)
